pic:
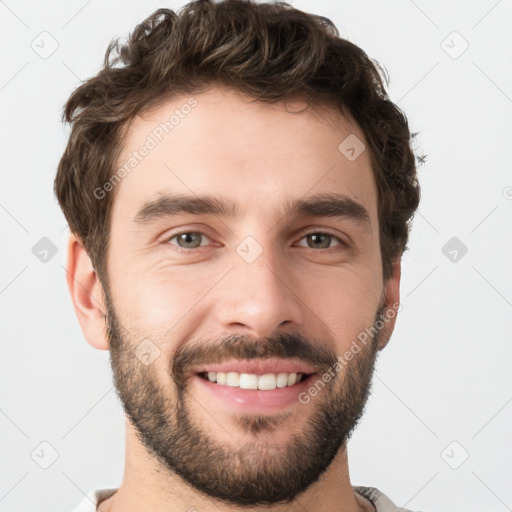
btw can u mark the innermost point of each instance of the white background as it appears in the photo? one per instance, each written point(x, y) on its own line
point(444, 377)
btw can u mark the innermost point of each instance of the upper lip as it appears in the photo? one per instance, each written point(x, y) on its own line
point(258, 366)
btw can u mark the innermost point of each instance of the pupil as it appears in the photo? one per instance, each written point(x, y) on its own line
point(316, 239)
point(186, 238)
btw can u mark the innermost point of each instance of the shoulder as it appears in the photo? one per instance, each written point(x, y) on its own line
point(93, 499)
point(379, 500)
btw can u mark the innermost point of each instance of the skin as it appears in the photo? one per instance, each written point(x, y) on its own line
point(259, 156)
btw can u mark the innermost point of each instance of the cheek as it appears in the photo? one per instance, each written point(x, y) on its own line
point(161, 304)
point(347, 302)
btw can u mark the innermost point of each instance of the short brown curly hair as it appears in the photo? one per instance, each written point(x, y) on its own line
point(269, 51)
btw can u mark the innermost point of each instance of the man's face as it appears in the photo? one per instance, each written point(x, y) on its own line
point(265, 290)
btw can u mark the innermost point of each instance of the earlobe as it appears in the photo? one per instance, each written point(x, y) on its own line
point(87, 294)
point(391, 301)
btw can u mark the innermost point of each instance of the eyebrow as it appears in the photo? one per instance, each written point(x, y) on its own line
point(319, 205)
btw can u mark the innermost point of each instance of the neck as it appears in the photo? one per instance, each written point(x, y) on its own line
point(148, 485)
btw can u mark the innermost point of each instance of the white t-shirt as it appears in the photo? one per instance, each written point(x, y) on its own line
point(381, 502)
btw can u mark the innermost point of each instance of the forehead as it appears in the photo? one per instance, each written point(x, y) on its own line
point(260, 155)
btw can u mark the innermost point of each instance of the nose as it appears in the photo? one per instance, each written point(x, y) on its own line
point(260, 298)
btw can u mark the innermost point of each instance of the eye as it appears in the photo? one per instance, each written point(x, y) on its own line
point(187, 240)
point(321, 240)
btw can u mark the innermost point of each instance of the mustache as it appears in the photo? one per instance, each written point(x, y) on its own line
point(282, 345)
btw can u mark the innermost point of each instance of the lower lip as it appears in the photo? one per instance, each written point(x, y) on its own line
point(255, 400)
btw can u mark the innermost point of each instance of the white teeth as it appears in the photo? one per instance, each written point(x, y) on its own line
point(268, 381)
point(282, 380)
point(248, 381)
point(232, 379)
point(292, 379)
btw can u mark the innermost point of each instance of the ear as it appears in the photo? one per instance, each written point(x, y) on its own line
point(391, 302)
point(87, 294)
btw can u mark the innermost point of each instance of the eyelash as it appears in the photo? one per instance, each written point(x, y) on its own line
point(342, 244)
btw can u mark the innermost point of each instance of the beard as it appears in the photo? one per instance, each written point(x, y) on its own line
point(255, 472)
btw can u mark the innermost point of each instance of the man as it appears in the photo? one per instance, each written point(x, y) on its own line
point(239, 188)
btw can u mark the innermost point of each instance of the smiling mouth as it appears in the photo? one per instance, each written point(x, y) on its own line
point(264, 382)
